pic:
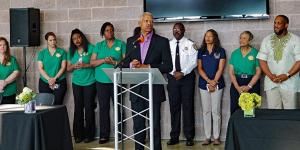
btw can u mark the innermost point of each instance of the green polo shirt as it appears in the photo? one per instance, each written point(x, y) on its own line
point(5, 71)
point(52, 63)
point(84, 76)
point(102, 50)
point(244, 65)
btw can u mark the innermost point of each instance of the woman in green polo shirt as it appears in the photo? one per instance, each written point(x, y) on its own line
point(9, 71)
point(107, 54)
point(52, 65)
point(244, 70)
point(83, 84)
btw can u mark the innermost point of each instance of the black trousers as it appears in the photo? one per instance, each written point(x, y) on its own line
point(234, 94)
point(105, 93)
point(59, 93)
point(84, 99)
point(9, 99)
point(139, 123)
point(181, 96)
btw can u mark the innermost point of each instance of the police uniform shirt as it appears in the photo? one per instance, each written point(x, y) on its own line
point(187, 55)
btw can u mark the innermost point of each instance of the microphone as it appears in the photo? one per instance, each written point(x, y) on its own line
point(139, 40)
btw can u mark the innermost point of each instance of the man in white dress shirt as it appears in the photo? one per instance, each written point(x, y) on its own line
point(181, 84)
point(279, 58)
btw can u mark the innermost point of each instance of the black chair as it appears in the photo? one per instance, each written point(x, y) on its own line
point(1, 96)
point(44, 99)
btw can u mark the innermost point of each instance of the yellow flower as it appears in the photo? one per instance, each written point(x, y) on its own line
point(249, 101)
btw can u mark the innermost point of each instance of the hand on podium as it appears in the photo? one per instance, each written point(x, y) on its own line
point(137, 64)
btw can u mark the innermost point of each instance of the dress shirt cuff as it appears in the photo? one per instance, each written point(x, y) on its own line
point(297, 57)
point(172, 72)
point(130, 65)
point(184, 72)
point(262, 56)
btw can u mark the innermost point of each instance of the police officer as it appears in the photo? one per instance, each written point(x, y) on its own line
point(181, 84)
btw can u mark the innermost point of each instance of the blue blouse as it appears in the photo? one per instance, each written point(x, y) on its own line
point(210, 65)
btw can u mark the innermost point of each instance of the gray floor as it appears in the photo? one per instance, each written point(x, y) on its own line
point(130, 146)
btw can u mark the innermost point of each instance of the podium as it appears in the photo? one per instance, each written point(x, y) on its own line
point(138, 77)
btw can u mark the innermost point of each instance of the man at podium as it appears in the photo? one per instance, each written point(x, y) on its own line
point(148, 50)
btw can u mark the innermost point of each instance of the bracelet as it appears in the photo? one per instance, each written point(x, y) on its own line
point(249, 86)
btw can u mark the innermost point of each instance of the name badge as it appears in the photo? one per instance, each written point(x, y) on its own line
point(251, 58)
point(186, 49)
point(117, 48)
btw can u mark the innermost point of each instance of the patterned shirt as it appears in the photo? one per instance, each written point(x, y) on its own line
point(280, 55)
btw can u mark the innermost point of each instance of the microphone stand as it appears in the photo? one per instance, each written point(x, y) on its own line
point(121, 63)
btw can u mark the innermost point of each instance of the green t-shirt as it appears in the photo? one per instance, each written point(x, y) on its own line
point(101, 50)
point(244, 65)
point(10, 67)
point(52, 63)
point(84, 76)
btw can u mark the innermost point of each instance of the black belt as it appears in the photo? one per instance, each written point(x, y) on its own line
point(244, 76)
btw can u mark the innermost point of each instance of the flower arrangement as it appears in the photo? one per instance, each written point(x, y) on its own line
point(249, 101)
point(26, 96)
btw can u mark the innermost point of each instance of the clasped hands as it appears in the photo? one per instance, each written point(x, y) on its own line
point(51, 83)
point(79, 65)
point(137, 64)
point(211, 85)
point(178, 75)
point(278, 78)
point(110, 60)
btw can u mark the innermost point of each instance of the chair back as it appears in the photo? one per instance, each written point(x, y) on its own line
point(1, 96)
point(44, 99)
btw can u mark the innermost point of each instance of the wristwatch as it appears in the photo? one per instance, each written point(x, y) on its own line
point(288, 75)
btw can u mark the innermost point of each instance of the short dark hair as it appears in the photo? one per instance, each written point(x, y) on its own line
point(104, 26)
point(249, 33)
point(49, 34)
point(180, 24)
point(285, 18)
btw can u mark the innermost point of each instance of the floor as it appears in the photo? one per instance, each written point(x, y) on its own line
point(130, 146)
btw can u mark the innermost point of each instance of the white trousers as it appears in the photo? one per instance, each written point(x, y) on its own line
point(211, 105)
point(279, 98)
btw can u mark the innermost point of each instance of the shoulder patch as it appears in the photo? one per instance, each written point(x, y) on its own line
point(191, 40)
point(195, 46)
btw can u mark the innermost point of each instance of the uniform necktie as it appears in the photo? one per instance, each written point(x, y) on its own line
point(177, 59)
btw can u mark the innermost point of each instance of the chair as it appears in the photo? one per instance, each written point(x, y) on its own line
point(44, 99)
point(1, 96)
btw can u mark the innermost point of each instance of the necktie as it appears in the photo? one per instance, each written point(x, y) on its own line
point(177, 59)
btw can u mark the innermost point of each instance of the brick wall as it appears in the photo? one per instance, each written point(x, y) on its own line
point(61, 16)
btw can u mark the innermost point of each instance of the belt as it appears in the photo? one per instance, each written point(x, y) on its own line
point(244, 76)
